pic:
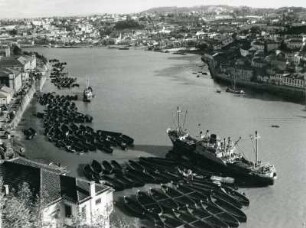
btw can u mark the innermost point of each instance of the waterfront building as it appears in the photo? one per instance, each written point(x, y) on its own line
point(5, 51)
point(67, 200)
point(272, 45)
point(23, 63)
point(294, 80)
point(11, 78)
point(258, 45)
point(258, 62)
point(6, 95)
point(294, 43)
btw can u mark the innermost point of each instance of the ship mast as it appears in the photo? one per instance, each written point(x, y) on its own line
point(305, 91)
point(87, 85)
point(178, 111)
point(184, 119)
point(234, 78)
point(256, 147)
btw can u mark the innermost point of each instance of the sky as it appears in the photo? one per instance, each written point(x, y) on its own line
point(44, 8)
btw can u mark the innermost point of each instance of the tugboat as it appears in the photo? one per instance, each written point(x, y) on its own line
point(222, 156)
point(88, 93)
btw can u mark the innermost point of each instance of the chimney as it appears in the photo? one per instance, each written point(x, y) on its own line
point(92, 188)
point(6, 189)
point(7, 52)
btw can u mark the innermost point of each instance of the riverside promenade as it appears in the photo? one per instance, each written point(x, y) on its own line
point(9, 147)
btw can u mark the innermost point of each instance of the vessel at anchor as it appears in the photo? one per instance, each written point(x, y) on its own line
point(221, 155)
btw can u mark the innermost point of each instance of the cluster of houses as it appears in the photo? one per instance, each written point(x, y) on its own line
point(65, 201)
point(265, 60)
point(14, 73)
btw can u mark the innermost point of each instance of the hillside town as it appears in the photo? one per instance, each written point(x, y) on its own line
point(268, 45)
point(256, 48)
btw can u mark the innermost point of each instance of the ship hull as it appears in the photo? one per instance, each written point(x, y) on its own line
point(197, 155)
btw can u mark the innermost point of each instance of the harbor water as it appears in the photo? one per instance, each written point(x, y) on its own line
point(137, 92)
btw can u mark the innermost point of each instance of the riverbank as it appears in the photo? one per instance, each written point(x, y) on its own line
point(137, 92)
point(289, 93)
point(17, 107)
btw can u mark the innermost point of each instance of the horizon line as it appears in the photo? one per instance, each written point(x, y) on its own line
point(157, 7)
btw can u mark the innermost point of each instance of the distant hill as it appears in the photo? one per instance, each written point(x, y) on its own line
point(223, 9)
point(291, 9)
point(206, 8)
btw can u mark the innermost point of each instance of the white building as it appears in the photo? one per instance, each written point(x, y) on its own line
point(11, 78)
point(6, 95)
point(68, 201)
point(294, 43)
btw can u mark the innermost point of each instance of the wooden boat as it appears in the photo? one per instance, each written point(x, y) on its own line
point(117, 185)
point(144, 176)
point(134, 178)
point(237, 195)
point(117, 168)
point(88, 93)
point(193, 194)
point(105, 148)
point(149, 203)
point(207, 217)
point(172, 175)
point(205, 183)
point(235, 91)
point(130, 183)
point(147, 164)
point(219, 213)
point(134, 207)
point(160, 177)
point(171, 222)
point(177, 196)
point(229, 208)
point(160, 161)
point(96, 166)
point(88, 172)
point(135, 165)
point(127, 139)
point(217, 194)
point(165, 201)
point(189, 219)
point(220, 195)
point(107, 167)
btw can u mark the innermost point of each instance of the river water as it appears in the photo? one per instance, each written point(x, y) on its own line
point(137, 93)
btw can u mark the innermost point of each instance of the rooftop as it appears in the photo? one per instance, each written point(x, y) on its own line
point(49, 183)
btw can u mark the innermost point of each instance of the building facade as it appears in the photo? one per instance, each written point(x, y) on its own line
point(67, 201)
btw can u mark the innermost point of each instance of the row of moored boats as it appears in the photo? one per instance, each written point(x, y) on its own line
point(60, 78)
point(194, 202)
point(66, 127)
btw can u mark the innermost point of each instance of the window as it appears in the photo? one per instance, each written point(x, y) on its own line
point(68, 211)
point(98, 201)
point(84, 212)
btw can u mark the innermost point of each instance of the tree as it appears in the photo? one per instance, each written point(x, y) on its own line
point(13, 32)
point(128, 24)
point(21, 208)
point(17, 50)
point(17, 208)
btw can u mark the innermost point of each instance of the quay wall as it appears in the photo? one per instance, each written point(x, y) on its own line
point(286, 92)
point(36, 86)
